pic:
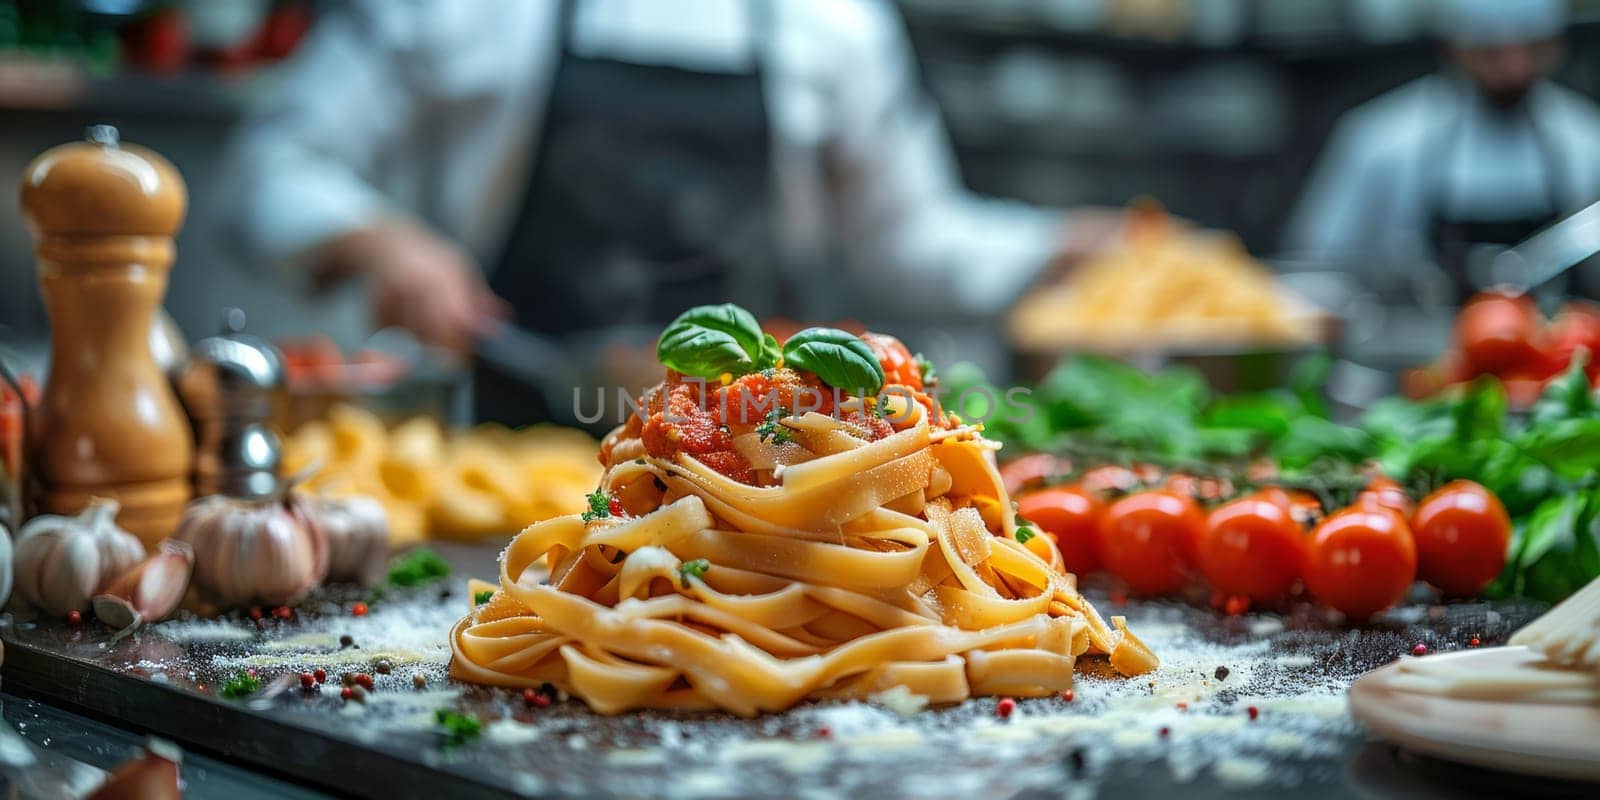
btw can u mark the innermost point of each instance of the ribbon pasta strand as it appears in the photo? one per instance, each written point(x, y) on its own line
point(863, 566)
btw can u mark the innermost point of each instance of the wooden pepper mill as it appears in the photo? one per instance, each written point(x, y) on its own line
point(103, 215)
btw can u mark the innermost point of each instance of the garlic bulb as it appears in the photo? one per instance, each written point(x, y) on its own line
point(253, 551)
point(149, 592)
point(62, 561)
point(357, 529)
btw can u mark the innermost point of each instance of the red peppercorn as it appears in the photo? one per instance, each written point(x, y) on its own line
point(320, 674)
point(1004, 707)
point(1165, 731)
point(251, 672)
point(1253, 712)
point(528, 695)
point(1068, 695)
point(307, 680)
point(255, 612)
point(74, 617)
point(346, 692)
point(1183, 706)
point(824, 732)
point(1419, 650)
point(615, 507)
point(359, 609)
point(541, 700)
point(364, 680)
point(1236, 605)
point(1473, 642)
point(282, 612)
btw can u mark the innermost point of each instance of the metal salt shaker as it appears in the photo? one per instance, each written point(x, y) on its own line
point(228, 390)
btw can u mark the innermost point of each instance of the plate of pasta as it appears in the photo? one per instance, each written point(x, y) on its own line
point(783, 522)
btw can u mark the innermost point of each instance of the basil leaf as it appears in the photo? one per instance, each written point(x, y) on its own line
point(838, 357)
point(1571, 447)
point(708, 341)
point(1568, 396)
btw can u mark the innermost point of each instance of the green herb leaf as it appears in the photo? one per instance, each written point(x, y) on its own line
point(240, 685)
point(1570, 447)
point(709, 341)
point(1568, 396)
point(1557, 551)
point(930, 375)
point(599, 506)
point(483, 597)
point(692, 569)
point(458, 728)
point(838, 357)
point(1025, 529)
point(418, 567)
point(1480, 413)
point(771, 428)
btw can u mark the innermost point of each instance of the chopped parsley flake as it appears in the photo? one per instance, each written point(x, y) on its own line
point(458, 728)
point(482, 597)
point(599, 507)
point(771, 429)
point(241, 685)
point(1025, 530)
point(693, 569)
point(418, 567)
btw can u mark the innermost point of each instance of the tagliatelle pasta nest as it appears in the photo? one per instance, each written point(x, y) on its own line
point(854, 552)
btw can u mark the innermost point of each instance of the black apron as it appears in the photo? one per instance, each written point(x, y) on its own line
point(1454, 236)
point(650, 192)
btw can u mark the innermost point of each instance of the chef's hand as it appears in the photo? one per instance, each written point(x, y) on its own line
point(418, 281)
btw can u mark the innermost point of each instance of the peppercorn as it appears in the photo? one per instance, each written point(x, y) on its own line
point(383, 666)
point(1069, 695)
point(255, 613)
point(348, 679)
point(346, 693)
point(283, 612)
point(359, 609)
point(320, 674)
point(540, 700)
point(359, 693)
point(1254, 713)
point(1420, 650)
point(528, 695)
point(346, 640)
point(1473, 642)
point(307, 680)
point(364, 681)
point(74, 617)
point(419, 680)
point(1004, 707)
point(1221, 673)
point(1165, 731)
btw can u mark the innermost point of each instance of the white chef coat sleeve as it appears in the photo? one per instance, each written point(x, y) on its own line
point(914, 236)
point(299, 172)
point(1330, 222)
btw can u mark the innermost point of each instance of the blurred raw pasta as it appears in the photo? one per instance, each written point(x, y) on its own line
point(1165, 283)
point(483, 482)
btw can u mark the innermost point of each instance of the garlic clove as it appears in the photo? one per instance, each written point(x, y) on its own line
point(149, 592)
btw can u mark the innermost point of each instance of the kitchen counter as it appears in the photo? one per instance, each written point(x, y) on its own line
point(1248, 705)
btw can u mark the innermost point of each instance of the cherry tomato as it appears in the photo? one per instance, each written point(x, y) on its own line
point(1110, 478)
point(1498, 332)
point(1462, 532)
point(1576, 326)
point(1362, 559)
point(1150, 540)
point(1200, 487)
point(1253, 547)
point(1071, 516)
point(1388, 494)
point(898, 365)
point(1020, 473)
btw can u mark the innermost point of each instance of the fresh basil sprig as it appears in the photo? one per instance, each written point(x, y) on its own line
point(710, 341)
point(838, 357)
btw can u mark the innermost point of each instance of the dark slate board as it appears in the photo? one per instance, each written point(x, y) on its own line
point(1180, 730)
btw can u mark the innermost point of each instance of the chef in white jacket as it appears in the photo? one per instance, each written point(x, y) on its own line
point(1447, 169)
point(572, 164)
